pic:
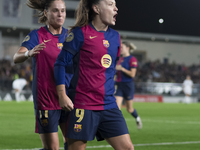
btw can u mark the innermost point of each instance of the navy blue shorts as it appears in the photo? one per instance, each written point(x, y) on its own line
point(47, 121)
point(86, 124)
point(125, 90)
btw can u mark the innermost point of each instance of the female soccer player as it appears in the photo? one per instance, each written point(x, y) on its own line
point(90, 53)
point(126, 70)
point(44, 45)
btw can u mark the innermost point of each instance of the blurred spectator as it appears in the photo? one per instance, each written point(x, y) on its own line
point(10, 72)
point(18, 85)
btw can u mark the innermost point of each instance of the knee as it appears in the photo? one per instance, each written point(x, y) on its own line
point(129, 110)
point(131, 147)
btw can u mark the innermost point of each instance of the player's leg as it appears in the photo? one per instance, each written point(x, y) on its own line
point(119, 101)
point(119, 95)
point(122, 142)
point(47, 126)
point(17, 95)
point(113, 128)
point(63, 126)
point(133, 112)
point(50, 141)
point(76, 144)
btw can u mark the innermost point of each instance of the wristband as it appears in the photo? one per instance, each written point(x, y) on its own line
point(26, 54)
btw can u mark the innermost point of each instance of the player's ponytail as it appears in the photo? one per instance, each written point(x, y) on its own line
point(131, 46)
point(40, 6)
point(84, 13)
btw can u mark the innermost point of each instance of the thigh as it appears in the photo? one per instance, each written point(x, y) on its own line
point(121, 142)
point(63, 123)
point(119, 101)
point(83, 124)
point(50, 140)
point(112, 124)
point(76, 144)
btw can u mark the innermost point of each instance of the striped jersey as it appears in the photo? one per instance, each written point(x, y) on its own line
point(44, 88)
point(93, 57)
point(127, 63)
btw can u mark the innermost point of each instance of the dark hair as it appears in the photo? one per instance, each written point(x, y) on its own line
point(84, 13)
point(40, 6)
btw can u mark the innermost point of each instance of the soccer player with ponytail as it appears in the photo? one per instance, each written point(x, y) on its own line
point(43, 46)
point(90, 53)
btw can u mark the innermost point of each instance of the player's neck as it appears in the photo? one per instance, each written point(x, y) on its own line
point(54, 31)
point(99, 26)
point(126, 55)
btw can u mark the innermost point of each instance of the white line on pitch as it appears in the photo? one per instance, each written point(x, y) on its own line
point(150, 144)
point(167, 121)
point(136, 145)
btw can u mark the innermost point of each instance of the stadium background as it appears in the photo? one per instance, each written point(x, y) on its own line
point(166, 51)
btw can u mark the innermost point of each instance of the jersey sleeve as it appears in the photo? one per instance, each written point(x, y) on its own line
point(74, 41)
point(31, 40)
point(63, 67)
point(133, 62)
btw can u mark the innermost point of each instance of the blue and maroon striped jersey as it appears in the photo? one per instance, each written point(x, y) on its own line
point(91, 57)
point(128, 63)
point(44, 88)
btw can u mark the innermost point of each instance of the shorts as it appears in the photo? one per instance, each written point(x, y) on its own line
point(125, 90)
point(86, 124)
point(47, 121)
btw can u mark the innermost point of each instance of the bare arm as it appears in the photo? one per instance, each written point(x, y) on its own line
point(130, 73)
point(64, 101)
point(20, 57)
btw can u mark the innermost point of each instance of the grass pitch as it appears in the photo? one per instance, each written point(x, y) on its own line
point(166, 126)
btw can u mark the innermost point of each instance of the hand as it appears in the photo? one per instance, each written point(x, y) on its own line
point(118, 67)
point(36, 50)
point(66, 103)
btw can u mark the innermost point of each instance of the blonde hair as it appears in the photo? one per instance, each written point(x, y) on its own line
point(40, 6)
point(130, 45)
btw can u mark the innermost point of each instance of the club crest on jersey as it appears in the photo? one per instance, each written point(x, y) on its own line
point(27, 38)
point(106, 61)
point(77, 127)
point(106, 43)
point(60, 45)
point(70, 37)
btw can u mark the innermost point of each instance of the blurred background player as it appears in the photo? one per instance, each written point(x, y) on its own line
point(44, 45)
point(91, 50)
point(18, 85)
point(126, 71)
point(187, 89)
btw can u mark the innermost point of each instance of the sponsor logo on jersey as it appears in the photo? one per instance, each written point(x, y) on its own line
point(77, 127)
point(92, 37)
point(27, 38)
point(134, 63)
point(70, 37)
point(106, 61)
point(106, 43)
point(60, 45)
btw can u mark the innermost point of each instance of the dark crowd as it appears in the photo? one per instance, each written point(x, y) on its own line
point(10, 71)
point(151, 71)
